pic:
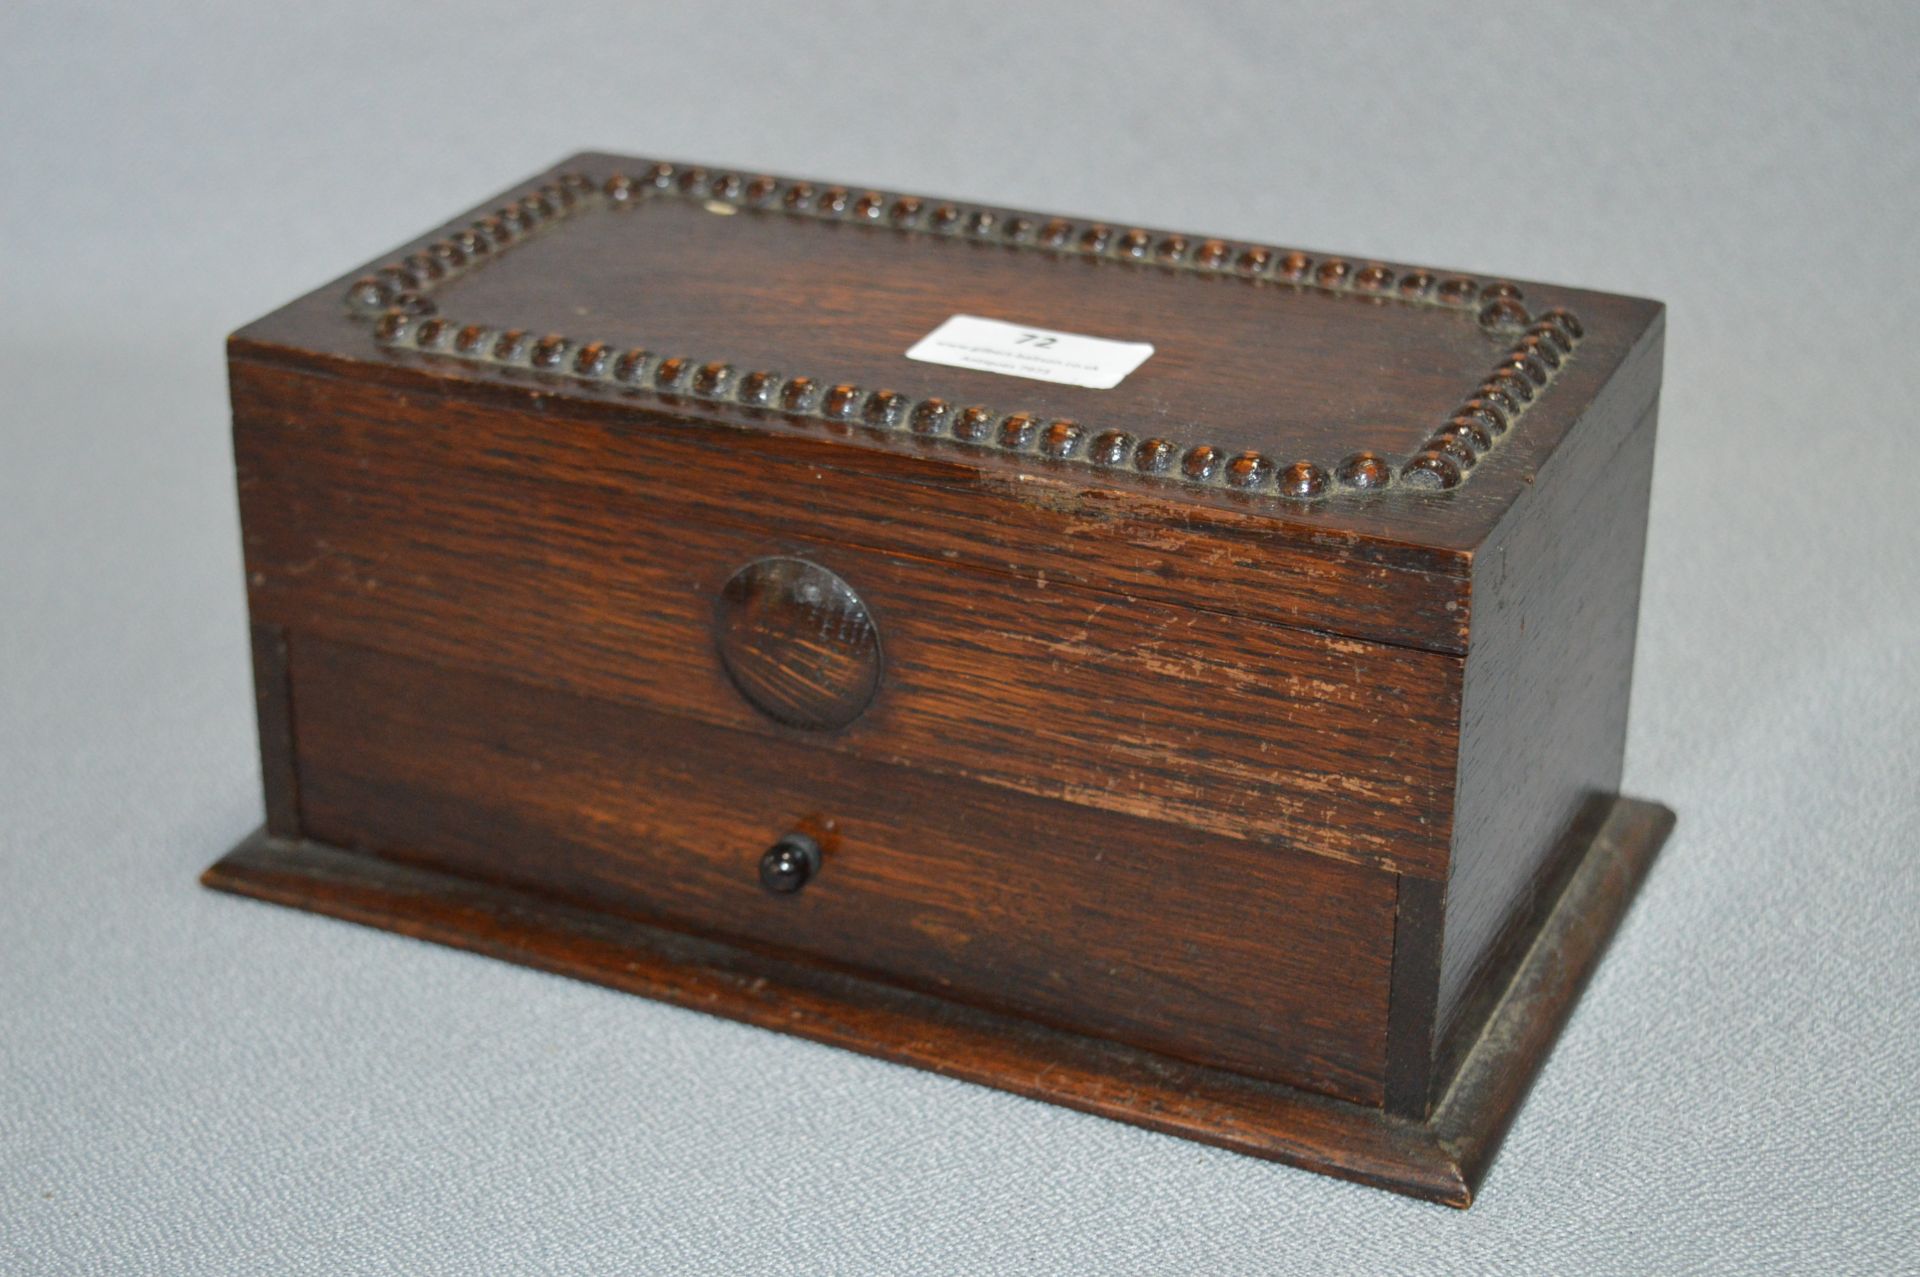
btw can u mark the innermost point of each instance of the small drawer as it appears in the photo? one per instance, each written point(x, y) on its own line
point(1213, 949)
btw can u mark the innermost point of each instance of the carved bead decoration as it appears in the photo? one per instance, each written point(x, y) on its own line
point(1365, 470)
point(392, 327)
point(1503, 312)
point(1017, 431)
point(1201, 463)
point(930, 417)
point(631, 366)
point(1513, 382)
point(1303, 479)
point(1486, 414)
point(1462, 454)
point(1551, 333)
point(799, 394)
point(1060, 439)
point(511, 346)
point(1154, 456)
point(1248, 470)
point(1564, 320)
point(1432, 470)
point(973, 425)
point(424, 267)
point(1496, 398)
point(1111, 448)
point(1527, 366)
point(1538, 348)
point(369, 294)
point(841, 401)
point(1470, 432)
point(1373, 279)
point(592, 360)
point(885, 408)
point(756, 389)
point(394, 298)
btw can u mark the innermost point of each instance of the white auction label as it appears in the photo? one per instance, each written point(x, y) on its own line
point(1015, 350)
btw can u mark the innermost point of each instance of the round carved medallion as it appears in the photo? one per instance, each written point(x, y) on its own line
point(798, 643)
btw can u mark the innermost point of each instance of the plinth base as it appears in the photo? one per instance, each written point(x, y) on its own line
point(1442, 1159)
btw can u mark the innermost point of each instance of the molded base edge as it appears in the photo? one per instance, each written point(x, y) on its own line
point(1442, 1159)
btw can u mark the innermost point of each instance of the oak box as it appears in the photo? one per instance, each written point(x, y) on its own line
point(1180, 678)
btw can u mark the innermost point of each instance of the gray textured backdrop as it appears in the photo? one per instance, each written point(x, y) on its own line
point(195, 1084)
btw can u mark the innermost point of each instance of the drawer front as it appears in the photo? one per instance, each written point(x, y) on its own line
point(1213, 949)
point(395, 532)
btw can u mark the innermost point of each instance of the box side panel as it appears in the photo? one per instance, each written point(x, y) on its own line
point(1543, 724)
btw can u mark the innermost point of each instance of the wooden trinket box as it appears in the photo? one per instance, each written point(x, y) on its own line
point(1183, 679)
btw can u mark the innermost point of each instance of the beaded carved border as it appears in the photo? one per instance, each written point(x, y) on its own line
point(407, 318)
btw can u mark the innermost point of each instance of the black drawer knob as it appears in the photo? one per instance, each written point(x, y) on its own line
point(789, 863)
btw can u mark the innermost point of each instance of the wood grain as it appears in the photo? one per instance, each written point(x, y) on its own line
point(273, 709)
point(1271, 964)
point(382, 519)
point(1543, 723)
point(1309, 382)
point(1443, 1159)
point(1268, 803)
point(1125, 537)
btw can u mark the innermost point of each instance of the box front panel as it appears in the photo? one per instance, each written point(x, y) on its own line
point(1204, 948)
point(1168, 826)
point(375, 517)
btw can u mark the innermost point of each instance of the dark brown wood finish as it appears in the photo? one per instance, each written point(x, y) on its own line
point(1443, 1159)
point(1543, 727)
point(1269, 963)
point(273, 710)
point(1418, 928)
point(381, 519)
point(1404, 525)
point(1232, 751)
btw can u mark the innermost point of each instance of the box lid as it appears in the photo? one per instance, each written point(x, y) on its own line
point(1358, 406)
